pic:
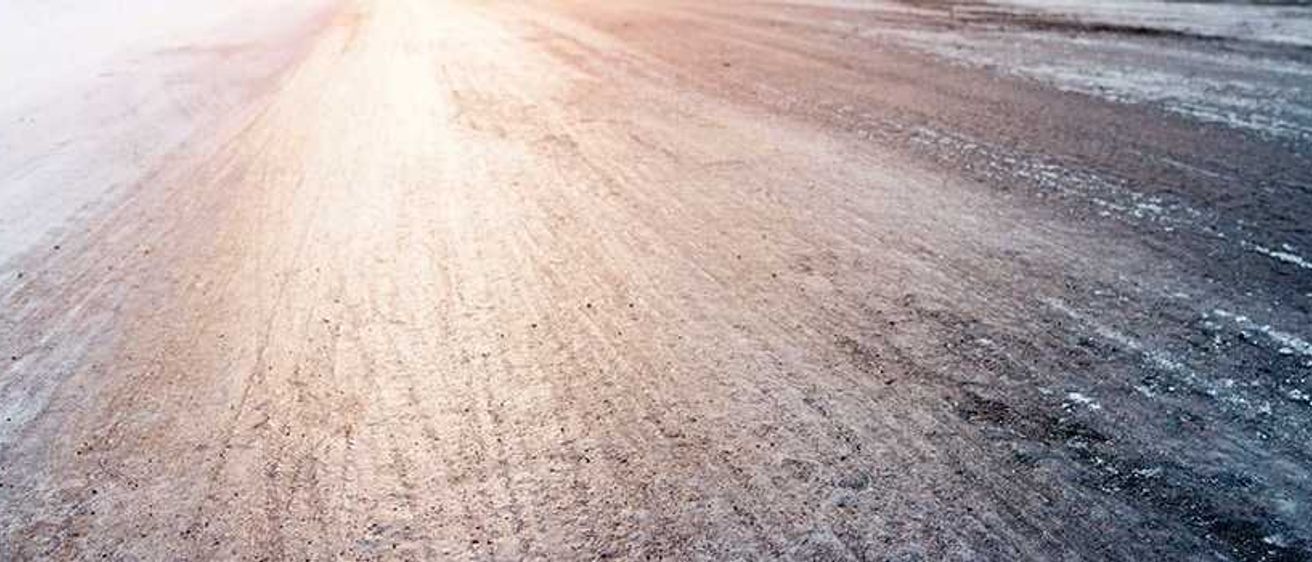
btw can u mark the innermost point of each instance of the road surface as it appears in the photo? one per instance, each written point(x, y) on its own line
point(641, 279)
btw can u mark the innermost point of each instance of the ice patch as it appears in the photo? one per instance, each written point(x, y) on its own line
point(1224, 390)
point(1285, 254)
point(1276, 540)
point(1083, 400)
point(1238, 90)
point(1148, 472)
point(1284, 340)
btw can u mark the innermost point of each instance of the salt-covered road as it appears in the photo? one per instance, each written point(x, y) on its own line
point(580, 279)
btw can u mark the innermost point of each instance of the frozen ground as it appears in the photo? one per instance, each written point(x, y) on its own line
point(644, 279)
